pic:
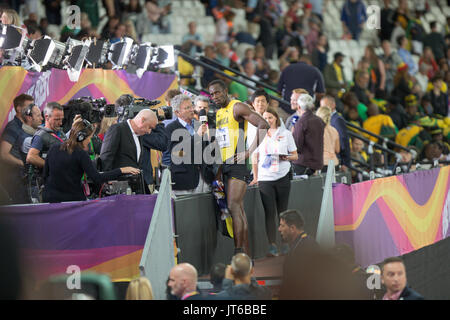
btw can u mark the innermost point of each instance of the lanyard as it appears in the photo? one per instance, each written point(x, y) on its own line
point(55, 136)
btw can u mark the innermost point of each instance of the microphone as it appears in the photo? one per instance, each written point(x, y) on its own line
point(203, 118)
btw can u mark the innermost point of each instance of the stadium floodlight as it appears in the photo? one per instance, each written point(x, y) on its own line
point(11, 37)
point(119, 53)
point(98, 50)
point(41, 52)
point(140, 56)
point(76, 54)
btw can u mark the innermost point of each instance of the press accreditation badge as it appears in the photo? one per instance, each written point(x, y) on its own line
point(223, 137)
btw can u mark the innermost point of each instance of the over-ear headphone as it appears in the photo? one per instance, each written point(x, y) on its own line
point(29, 110)
point(83, 133)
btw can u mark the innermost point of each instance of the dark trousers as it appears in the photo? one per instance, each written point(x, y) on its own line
point(301, 170)
point(275, 197)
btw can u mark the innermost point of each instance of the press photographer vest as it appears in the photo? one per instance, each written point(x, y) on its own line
point(229, 132)
point(49, 138)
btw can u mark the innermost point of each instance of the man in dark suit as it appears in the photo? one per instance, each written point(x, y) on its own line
point(393, 277)
point(123, 142)
point(339, 124)
point(188, 138)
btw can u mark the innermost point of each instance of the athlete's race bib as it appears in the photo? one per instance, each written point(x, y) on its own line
point(223, 137)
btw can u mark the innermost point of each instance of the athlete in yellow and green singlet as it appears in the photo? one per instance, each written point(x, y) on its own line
point(231, 128)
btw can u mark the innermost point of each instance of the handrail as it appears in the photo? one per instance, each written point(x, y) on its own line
point(262, 84)
point(392, 143)
point(205, 65)
point(370, 142)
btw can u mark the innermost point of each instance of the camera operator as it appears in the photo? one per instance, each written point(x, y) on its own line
point(123, 142)
point(66, 164)
point(11, 139)
point(156, 140)
point(43, 139)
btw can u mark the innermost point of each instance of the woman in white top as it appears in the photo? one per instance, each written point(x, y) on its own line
point(271, 168)
point(331, 145)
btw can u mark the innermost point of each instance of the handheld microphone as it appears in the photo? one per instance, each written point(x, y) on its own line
point(202, 117)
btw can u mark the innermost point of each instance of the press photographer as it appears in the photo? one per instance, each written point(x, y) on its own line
point(66, 164)
point(129, 141)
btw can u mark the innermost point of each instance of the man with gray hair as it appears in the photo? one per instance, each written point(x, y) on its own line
point(48, 135)
point(308, 136)
point(202, 103)
point(188, 138)
point(123, 142)
point(239, 283)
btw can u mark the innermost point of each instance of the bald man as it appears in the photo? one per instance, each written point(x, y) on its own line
point(183, 282)
point(122, 145)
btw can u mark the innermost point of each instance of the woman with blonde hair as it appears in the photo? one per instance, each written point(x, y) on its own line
point(10, 16)
point(331, 146)
point(139, 289)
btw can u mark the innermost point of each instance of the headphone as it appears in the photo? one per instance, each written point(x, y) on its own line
point(83, 133)
point(29, 110)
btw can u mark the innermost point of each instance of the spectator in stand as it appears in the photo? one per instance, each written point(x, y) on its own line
point(91, 8)
point(132, 11)
point(130, 31)
point(406, 56)
point(360, 88)
point(313, 35)
point(338, 122)
point(334, 75)
point(397, 112)
point(331, 145)
point(53, 11)
point(224, 26)
point(139, 289)
point(320, 53)
point(350, 100)
point(157, 16)
point(225, 56)
point(428, 60)
point(438, 98)
point(402, 83)
point(422, 77)
point(183, 282)
point(393, 277)
point(376, 71)
point(271, 171)
point(208, 75)
point(353, 16)
point(380, 124)
point(249, 55)
point(358, 152)
point(435, 41)
point(285, 35)
point(294, 6)
point(290, 56)
point(109, 28)
point(387, 22)
point(238, 282)
point(249, 70)
point(119, 33)
point(312, 80)
point(308, 135)
point(194, 39)
point(391, 60)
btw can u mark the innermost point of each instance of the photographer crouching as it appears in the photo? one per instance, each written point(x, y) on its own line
point(66, 164)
